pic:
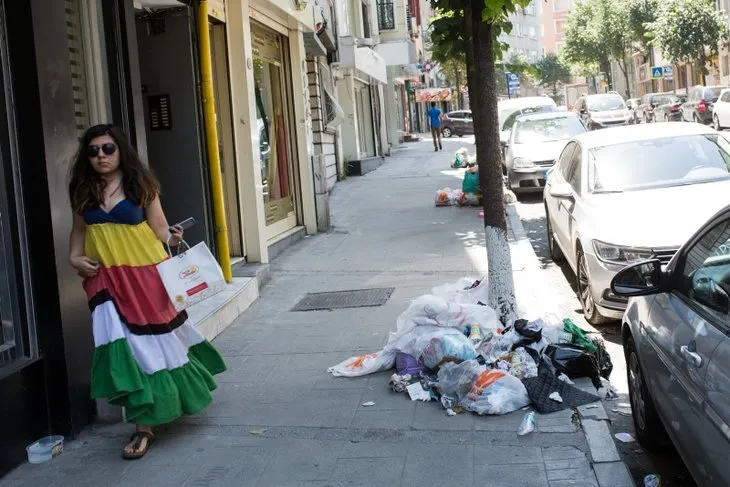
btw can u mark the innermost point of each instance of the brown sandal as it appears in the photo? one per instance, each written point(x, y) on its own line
point(137, 438)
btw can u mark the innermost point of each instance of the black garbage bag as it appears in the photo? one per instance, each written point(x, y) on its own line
point(539, 389)
point(573, 361)
point(529, 330)
point(605, 366)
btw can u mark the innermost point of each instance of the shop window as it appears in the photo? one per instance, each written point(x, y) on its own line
point(272, 75)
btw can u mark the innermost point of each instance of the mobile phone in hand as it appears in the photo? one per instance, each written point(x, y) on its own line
point(185, 224)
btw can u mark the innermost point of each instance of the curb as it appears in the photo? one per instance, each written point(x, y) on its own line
point(609, 469)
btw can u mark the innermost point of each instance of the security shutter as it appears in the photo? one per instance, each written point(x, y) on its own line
point(78, 66)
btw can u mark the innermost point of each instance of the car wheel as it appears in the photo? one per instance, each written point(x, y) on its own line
point(556, 253)
point(446, 132)
point(716, 123)
point(590, 311)
point(666, 117)
point(648, 426)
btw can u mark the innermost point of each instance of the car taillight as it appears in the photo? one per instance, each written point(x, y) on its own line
point(651, 108)
point(675, 108)
point(702, 106)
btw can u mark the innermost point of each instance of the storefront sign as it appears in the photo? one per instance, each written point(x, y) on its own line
point(433, 94)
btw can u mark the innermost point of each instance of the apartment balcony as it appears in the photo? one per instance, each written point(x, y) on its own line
point(397, 53)
point(357, 53)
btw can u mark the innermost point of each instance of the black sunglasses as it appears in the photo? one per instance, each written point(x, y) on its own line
point(109, 148)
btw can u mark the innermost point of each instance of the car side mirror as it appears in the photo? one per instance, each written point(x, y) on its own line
point(563, 191)
point(640, 279)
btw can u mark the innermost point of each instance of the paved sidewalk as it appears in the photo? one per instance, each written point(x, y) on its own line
point(281, 420)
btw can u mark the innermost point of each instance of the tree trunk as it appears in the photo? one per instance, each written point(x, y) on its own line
point(483, 92)
point(622, 65)
point(460, 102)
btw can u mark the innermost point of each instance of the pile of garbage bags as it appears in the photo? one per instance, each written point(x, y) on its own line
point(469, 195)
point(450, 347)
point(462, 158)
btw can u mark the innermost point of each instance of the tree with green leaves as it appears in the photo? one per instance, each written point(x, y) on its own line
point(598, 31)
point(689, 31)
point(551, 72)
point(641, 14)
point(473, 27)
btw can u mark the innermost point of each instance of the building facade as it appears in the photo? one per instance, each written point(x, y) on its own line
point(360, 75)
point(399, 27)
point(137, 64)
point(524, 39)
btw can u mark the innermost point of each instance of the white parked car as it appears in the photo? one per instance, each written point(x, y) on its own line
point(721, 111)
point(535, 143)
point(509, 110)
point(625, 194)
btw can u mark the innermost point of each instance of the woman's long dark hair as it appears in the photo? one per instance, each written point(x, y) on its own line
point(86, 189)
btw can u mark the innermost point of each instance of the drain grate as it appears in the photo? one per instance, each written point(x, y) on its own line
point(356, 298)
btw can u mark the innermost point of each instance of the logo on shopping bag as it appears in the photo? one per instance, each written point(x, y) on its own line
point(195, 290)
point(188, 272)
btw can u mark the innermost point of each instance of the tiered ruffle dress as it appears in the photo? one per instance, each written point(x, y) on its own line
point(148, 357)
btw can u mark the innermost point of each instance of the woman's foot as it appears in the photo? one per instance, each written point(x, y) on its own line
point(138, 445)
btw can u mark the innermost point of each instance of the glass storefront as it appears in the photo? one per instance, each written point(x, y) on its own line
point(271, 70)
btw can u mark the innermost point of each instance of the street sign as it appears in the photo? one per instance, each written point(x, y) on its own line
point(513, 82)
point(668, 72)
point(657, 72)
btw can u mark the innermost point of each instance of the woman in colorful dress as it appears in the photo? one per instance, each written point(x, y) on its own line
point(148, 358)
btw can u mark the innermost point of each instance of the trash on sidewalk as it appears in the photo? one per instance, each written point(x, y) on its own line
point(463, 159)
point(496, 392)
point(652, 480)
point(368, 404)
point(457, 197)
point(527, 425)
point(622, 412)
point(417, 393)
point(408, 364)
point(450, 346)
point(555, 396)
point(625, 437)
point(400, 383)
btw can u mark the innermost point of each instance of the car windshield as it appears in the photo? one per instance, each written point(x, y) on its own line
point(712, 94)
point(605, 103)
point(508, 116)
point(659, 163)
point(547, 129)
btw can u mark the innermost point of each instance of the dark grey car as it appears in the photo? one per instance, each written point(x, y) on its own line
point(700, 100)
point(676, 335)
point(457, 123)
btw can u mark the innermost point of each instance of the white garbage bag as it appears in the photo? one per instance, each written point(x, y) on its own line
point(464, 291)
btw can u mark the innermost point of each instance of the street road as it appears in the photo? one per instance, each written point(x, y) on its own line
point(640, 462)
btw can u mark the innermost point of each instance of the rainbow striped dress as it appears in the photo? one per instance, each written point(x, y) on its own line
point(148, 358)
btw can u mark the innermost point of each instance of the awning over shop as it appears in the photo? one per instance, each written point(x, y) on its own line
point(433, 94)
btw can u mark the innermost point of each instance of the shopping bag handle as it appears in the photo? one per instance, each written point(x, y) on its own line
point(182, 242)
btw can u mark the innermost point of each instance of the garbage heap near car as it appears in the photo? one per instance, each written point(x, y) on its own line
point(470, 193)
point(450, 347)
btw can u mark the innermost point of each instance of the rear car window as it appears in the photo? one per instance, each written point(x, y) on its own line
point(712, 94)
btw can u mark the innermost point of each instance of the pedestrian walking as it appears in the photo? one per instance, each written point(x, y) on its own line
point(148, 357)
point(434, 117)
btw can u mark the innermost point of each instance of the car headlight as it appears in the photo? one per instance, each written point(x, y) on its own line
point(522, 163)
point(616, 254)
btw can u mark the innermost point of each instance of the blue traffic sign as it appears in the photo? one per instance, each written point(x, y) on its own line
point(668, 72)
point(657, 72)
point(513, 81)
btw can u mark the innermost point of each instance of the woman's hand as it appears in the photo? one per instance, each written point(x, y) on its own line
point(176, 235)
point(84, 266)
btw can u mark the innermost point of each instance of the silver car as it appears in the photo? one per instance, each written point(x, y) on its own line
point(535, 143)
point(626, 194)
point(676, 335)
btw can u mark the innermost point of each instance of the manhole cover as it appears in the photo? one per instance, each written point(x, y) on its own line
point(357, 298)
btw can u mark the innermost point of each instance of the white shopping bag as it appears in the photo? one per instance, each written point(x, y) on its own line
point(191, 276)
